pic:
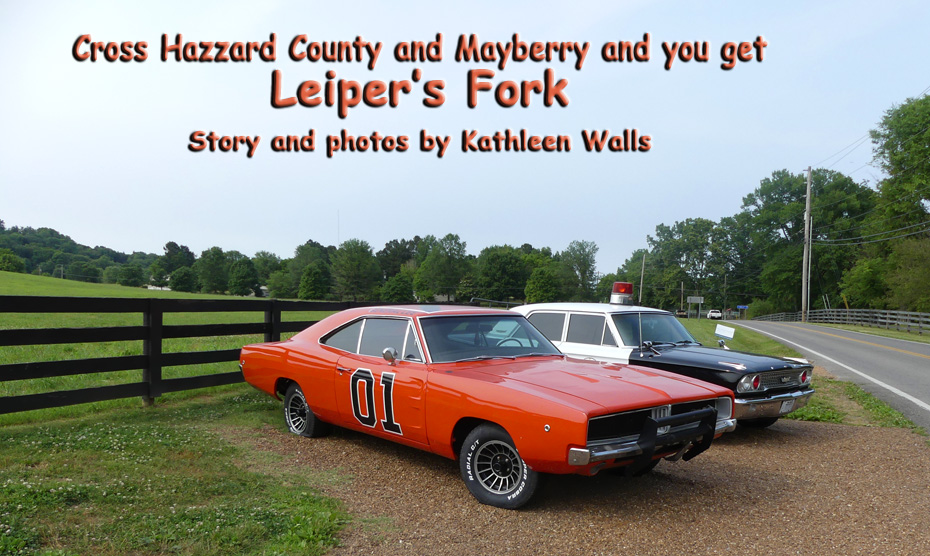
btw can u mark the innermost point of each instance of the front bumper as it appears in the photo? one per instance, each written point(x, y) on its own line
point(649, 440)
point(772, 406)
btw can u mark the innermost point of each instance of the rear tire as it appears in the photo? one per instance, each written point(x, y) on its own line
point(299, 417)
point(758, 423)
point(493, 470)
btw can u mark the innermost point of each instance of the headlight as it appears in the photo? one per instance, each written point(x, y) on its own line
point(749, 383)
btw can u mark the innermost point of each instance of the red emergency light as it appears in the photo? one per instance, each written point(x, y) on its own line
point(622, 293)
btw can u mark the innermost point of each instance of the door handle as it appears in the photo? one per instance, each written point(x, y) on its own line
point(342, 369)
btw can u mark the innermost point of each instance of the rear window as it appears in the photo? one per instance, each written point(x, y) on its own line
point(586, 329)
point(345, 338)
point(550, 324)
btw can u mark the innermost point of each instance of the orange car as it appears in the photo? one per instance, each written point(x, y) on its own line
point(485, 387)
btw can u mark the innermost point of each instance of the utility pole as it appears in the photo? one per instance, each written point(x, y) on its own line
point(805, 268)
point(642, 274)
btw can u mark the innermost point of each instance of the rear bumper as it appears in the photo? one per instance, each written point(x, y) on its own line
point(694, 440)
point(772, 406)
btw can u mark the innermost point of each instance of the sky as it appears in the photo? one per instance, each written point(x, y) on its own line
point(100, 150)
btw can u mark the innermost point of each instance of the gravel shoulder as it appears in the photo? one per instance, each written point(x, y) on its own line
point(794, 488)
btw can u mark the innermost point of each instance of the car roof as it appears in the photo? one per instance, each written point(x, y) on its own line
point(421, 310)
point(586, 307)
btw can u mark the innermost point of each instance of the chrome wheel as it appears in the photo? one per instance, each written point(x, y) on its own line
point(493, 470)
point(295, 412)
point(298, 415)
point(498, 467)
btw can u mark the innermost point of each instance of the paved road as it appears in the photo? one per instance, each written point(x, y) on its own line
point(896, 371)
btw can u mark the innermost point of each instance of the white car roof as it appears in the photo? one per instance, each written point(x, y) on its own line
point(585, 308)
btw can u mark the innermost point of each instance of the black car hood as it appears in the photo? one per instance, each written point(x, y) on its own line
point(738, 362)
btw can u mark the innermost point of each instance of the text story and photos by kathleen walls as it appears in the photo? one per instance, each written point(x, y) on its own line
point(482, 85)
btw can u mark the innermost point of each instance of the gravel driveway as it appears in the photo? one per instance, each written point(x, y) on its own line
point(794, 488)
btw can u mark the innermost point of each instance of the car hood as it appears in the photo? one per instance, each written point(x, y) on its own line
point(612, 386)
point(739, 362)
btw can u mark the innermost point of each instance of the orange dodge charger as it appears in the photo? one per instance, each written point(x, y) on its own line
point(485, 387)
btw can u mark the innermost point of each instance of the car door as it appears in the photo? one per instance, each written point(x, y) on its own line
point(380, 397)
point(589, 336)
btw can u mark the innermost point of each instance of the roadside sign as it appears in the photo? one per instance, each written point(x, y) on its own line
point(695, 299)
point(742, 306)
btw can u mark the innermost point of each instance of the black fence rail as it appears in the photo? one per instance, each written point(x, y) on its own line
point(152, 333)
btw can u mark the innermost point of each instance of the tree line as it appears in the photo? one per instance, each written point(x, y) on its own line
point(870, 249)
point(404, 270)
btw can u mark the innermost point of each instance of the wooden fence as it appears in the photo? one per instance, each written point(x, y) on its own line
point(152, 333)
point(898, 320)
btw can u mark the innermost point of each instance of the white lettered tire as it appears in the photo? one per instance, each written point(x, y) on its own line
point(493, 470)
point(299, 417)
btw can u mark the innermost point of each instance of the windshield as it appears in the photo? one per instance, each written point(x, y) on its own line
point(658, 328)
point(482, 336)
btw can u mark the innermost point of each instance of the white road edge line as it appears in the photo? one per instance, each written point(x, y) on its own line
point(888, 387)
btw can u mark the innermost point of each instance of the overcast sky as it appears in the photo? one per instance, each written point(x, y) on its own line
point(99, 150)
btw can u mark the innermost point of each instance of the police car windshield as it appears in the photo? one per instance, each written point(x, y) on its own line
point(658, 328)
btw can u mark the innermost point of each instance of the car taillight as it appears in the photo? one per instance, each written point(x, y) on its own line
point(756, 382)
point(805, 377)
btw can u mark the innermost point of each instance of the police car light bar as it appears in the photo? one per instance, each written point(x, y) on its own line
point(622, 293)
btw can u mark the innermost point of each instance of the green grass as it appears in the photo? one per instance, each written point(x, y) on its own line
point(743, 340)
point(23, 284)
point(158, 481)
point(881, 413)
point(823, 406)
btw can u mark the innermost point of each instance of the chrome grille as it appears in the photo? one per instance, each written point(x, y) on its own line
point(781, 379)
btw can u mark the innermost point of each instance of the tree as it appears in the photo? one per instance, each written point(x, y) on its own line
point(500, 273)
point(579, 259)
point(908, 280)
point(442, 268)
point(395, 254)
point(184, 279)
point(243, 278)
point(131, 275)
point(10, 262)
point(902, 149)
point(83, 271)
point(212, 270)
point(177, 256)
point(111, 274)
point(265, 263)
point(356, 272)
point(158, 274)
point(281, 286)
point(399, 288)
point(316, 281)
point(543, 285)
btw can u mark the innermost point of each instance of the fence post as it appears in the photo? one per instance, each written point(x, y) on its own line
point(152, 348)
point(273, 321)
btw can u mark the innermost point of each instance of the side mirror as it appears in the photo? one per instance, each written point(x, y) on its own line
point(390, 355)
